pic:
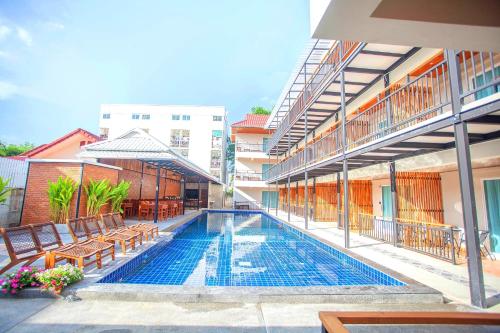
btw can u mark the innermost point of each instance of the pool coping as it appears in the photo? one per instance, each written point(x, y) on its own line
point(412, 292)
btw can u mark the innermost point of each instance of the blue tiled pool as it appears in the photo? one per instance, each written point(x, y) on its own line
point(245, 249)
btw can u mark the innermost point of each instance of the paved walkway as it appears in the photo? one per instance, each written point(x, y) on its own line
point(57, 316)
point(451, 280)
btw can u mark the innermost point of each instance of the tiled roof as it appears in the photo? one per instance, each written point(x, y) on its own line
point(39, 149)
point(252, 120)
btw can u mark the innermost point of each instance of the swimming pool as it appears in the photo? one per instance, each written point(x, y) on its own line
point(245, 249)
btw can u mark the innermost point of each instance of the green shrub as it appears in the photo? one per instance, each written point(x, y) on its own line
point(4, 190)
point(98, 194)
point(60, 195)
point(55, 279)
point(117, 195)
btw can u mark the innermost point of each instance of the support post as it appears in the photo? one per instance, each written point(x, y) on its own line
point(277, 188)
point(474, 264)
point(387, 103)
point(314, 200)
point(394, 200)
point(157, 194)
point(339, 203)
point(199, 194)
point(346, 203)
point(268, 184)
point(344, 162)
point(142, 176)
point(183, 182)
point(296, 196)
point(288, 177)
point(306, 189)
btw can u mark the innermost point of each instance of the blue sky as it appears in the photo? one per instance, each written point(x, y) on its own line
point(60, 60)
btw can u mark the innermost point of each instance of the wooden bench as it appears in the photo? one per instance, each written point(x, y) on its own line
point(333, 322)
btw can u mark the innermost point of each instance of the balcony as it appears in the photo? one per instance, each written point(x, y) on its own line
point(405, 106)
point(179, 142)
point(250, 150)
point(249, 179)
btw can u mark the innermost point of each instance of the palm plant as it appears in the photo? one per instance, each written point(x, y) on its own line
point(117, 194)
point(60, 195)
point(98, 194)
point(4, 190)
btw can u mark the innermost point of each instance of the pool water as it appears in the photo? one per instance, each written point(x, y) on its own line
point(248, 249)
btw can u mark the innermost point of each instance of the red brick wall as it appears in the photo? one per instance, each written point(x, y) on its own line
point(36, 202)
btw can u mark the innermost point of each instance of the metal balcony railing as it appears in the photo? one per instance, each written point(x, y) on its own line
point(406, 104)
point(248, 176)
point(330, 64)
point(249, 147)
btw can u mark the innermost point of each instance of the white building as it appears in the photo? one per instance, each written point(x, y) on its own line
point(251, 163)
point(196, 132)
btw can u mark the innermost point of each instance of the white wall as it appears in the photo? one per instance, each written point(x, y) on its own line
point(160, 124)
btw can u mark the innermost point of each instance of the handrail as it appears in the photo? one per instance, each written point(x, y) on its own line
point(334, 58)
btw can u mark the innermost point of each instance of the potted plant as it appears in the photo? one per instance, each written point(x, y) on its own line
point(55, 279)
point(60, 195)
point(117, 195)
point(98, 194)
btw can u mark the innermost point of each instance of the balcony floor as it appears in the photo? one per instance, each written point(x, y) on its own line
point(451, 280)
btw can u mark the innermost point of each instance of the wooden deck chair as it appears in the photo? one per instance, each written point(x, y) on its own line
point(110, 226)
point(21, 245)
point(79, 234)
point(147, 229)
point(93, 230)
point(50, 241)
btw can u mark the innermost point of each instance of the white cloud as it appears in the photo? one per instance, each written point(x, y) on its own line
point(55, 25)
point(5, 55)
point(4, 32)
point(8, 90)
point(24, 36)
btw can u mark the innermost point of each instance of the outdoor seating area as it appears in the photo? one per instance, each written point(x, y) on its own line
point(144, 209)
point(93, 239)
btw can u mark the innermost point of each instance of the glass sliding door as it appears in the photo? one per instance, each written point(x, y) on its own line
point(386, 202)
point(271, 198)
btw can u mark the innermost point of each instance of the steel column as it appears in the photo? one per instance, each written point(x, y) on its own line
point(339, 201)
point(344, 162)
point(199, 193)
point(394, 197)
point(269, 184)
point(277, 189)
point(288, 178)
point(306, 204)
point(314, 199)
point(157, 194)
point(296, 196)
point(474, 264)
point(183, 182)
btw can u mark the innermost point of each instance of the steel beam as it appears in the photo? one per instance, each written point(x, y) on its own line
point(339, 202)
point(474, 264)
point(288, 181)
point(344, 161)
point(306, 204)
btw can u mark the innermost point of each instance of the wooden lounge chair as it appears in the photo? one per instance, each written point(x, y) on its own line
point(93, 230)
point(333, 322)
point(28, 243)
point(110, 226)
point(50, 241)
point(80, 236)
point(147, 229)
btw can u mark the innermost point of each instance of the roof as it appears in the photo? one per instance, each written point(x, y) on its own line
point(139, 145)
point(252, 120)
point(33, 152)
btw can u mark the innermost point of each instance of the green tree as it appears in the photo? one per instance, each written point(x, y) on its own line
point(13, 150)
point(260, 110)
point(4, 189)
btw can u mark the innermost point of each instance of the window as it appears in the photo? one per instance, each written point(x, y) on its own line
point(179, 138)
point(135, 116)
point(176, 117)
point(265, 169)
point(217, 118)
point(215, 159)
point(82, 143)
point(265, 142)
point(103, 133)
point(483, 80)
point(186, 117)
point(217, 139)
point(146, 116)
point(183, 152)
point(106, 116)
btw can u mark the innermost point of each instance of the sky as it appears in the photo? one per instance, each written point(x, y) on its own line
point(61, 59)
